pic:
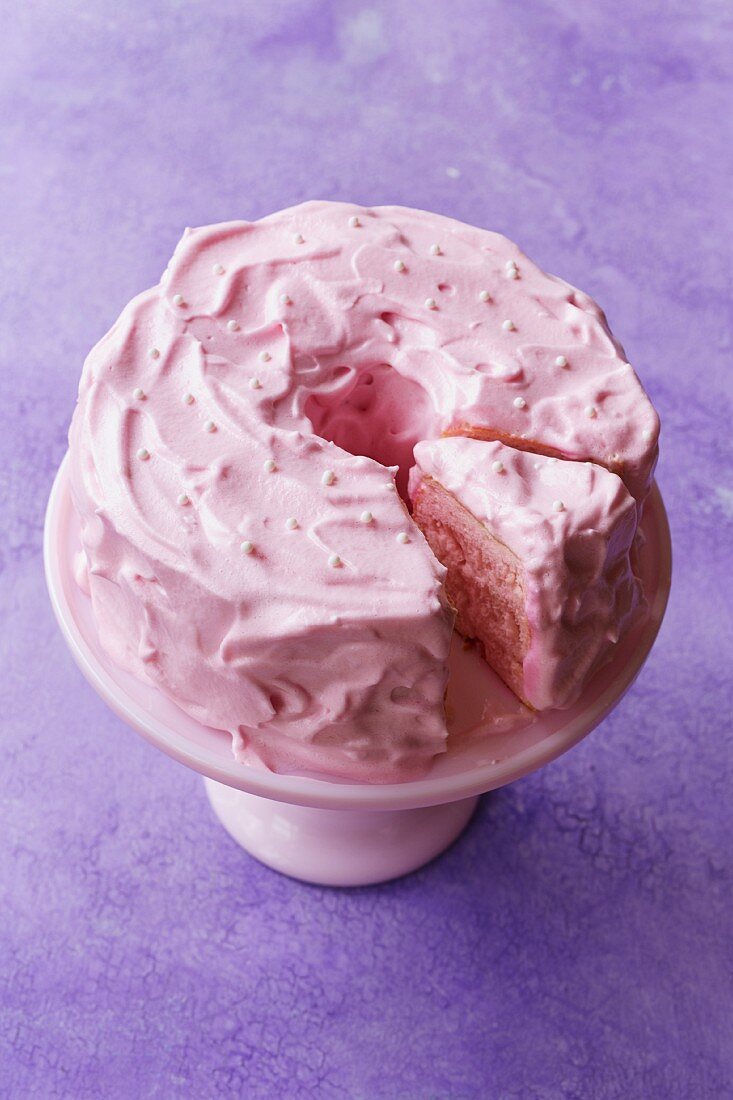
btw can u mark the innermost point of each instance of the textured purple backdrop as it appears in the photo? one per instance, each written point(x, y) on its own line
point(577, 941)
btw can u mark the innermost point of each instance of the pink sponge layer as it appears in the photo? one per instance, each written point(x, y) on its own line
point(537, 553)
point(485, 581)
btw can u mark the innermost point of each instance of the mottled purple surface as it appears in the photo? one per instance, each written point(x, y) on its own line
point(577, 941)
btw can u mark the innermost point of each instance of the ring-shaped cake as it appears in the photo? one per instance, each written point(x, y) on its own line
point(252, 434)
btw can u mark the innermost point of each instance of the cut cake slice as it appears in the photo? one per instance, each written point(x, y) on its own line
point(537, 553)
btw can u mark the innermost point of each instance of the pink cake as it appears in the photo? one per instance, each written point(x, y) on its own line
point(234, 453)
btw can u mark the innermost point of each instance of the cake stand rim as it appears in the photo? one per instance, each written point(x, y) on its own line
point(328, 793)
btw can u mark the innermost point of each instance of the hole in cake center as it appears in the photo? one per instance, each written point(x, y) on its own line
point(377, 413)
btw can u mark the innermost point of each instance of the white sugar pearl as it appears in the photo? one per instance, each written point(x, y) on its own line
point(255, 384)
point(399, 265)
point(366, 517)
point(390, 486)
point(232, 326)
point(154, 353)
point(218, 269)
point(299, 238)
point(354, 222)
point(591, 412)
point(209, 426)
point(291, 523)
point(178, 300)
point(647, 435)
point(247, 547)
point(328, 477)
point(184, 499)
point(265, 357)
point(286, 300)
point(508, 326)
point(269, 466)
point(436, 250)
point(561, 361)
point(430, 303)
point(512, 273)
point(403, 537)
point(484, 296)
point(138, 394)
point(143, 454)
point(520, 403)
point(497, 467)
point(334, 561)
point(558, 506)
point(188, 399)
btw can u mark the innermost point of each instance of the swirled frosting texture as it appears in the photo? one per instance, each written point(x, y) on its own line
point(225, 525)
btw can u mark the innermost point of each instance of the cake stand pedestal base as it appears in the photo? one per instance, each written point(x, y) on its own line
point(337, 847)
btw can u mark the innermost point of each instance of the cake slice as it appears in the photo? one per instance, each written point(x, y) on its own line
point(537, 553)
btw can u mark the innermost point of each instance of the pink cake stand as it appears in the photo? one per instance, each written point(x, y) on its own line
point(349, 834)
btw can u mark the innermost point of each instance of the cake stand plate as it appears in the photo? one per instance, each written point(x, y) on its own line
point(348, 834)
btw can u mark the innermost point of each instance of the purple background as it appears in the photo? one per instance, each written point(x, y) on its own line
point(576, 942)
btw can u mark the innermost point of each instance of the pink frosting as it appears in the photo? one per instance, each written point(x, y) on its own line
point(571, 526)
point(373, 329)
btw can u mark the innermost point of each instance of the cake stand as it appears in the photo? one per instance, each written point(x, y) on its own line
point(350, 834)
